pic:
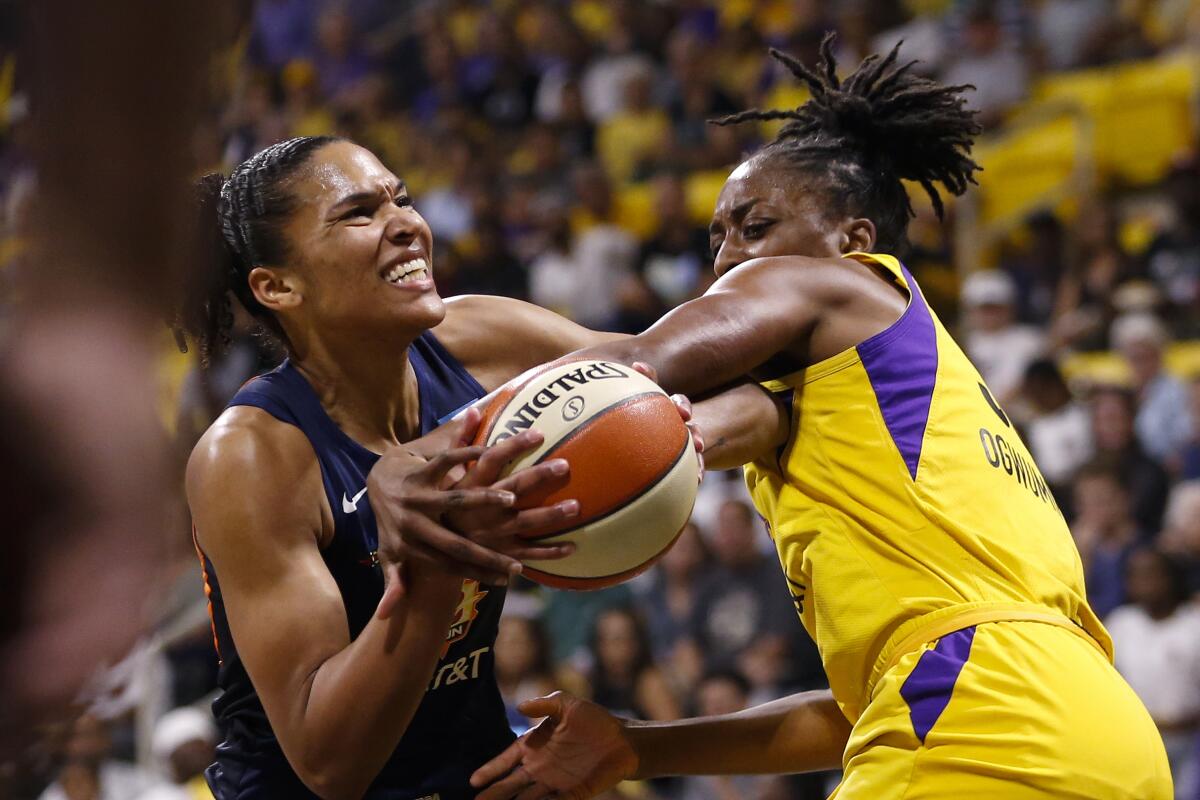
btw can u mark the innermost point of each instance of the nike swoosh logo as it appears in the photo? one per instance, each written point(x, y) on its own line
point(350, 506)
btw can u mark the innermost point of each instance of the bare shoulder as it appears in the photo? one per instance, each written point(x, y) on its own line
point(498, 338)
point(246, 463)
point(248, 440)
point(820, 280)
point(470, 318)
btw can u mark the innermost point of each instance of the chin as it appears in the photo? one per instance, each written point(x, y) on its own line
point(426, 311)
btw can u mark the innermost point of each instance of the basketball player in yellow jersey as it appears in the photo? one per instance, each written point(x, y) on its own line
point(928, 558)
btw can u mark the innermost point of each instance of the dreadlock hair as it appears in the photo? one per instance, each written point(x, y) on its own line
point(238, 226)
point(860, 137)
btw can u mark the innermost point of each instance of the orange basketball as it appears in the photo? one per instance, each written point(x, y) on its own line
point(633, 466)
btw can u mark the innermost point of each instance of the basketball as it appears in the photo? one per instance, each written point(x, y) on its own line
point(633, 466)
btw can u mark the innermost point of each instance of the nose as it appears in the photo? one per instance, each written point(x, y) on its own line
point(728, 257)
point(403, 225)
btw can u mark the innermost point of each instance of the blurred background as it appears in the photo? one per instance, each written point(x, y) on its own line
point(559, 151)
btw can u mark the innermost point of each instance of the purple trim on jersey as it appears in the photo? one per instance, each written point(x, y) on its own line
point(901, 363)
point(928, 687)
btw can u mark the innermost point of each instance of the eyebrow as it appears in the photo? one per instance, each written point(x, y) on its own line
point(363, 197)
point(738, 212)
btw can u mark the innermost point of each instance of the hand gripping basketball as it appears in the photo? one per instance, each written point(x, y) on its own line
point(633, 466)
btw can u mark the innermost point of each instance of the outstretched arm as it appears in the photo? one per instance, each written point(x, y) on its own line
point(580, 750)
point(498, 338)
point(754, 313)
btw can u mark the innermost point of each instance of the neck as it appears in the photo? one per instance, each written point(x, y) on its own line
point(365, 385)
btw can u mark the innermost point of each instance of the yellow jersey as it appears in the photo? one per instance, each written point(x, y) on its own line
point(904, 505)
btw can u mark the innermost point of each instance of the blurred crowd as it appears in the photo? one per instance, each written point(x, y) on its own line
point(560, 152)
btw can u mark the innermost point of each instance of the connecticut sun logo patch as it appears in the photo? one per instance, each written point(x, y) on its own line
point(468, 610)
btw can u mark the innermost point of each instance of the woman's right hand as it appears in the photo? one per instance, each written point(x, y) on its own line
point(579, 750)
point(440, 501)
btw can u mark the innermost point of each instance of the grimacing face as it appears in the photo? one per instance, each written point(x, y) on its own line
point(361, 257)
point(761, 212)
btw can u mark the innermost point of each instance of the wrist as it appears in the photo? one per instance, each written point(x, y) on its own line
point(432, 582)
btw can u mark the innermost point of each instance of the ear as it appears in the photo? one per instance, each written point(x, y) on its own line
point(857, 236)
point(276, 289)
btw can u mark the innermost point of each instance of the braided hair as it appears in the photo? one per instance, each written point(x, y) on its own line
point(238, 227)
point(858, 138)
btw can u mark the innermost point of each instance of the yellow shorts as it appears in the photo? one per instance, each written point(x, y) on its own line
point(1005, 710)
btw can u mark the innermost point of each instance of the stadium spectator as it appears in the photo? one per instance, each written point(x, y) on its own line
point(672, 266)
point(631, 141)
point(304, 110)
point(623, 677)
point(1000, 347)
point(1035, 263)
point(1187, 461)
point(89, 770)
point(744, 618)
point(998, 73)
point(523, 669)
point(1105, 533)
point(1059, 428)
point(485, 265)
point(602, 251)
point(1113, 436)
point(1096, 265)
point(283, 31)
point(604, 79)
point(1181, 530)
point(1163, 422)
point(1065, 31)
point(1156, 641)
point(183, 742)
point(668, 604)
point(340, 59)
point(725, 693)
point(1173, 258)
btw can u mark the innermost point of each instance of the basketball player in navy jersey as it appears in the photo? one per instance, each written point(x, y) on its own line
point(346, 673)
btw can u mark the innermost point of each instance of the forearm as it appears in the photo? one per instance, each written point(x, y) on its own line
point(801, 733)
point(681, 368)
point(739, 425)
point(362, 699)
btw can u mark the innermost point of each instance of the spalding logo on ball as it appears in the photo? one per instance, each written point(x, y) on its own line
point(633, 466)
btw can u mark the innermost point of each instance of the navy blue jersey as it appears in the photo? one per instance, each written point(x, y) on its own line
point(460, 723)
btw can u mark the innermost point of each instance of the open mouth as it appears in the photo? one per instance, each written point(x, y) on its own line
point(408, 272)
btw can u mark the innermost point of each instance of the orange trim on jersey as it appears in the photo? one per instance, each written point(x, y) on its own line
point(212, 620)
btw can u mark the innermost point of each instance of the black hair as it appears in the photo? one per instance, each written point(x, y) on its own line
point(1045, 370)
point(860, 137)
point(733, 676)
point(238, 226)
point(602, 681)
point(1178, 585)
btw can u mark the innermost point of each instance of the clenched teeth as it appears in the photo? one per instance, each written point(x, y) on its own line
point(414, 270)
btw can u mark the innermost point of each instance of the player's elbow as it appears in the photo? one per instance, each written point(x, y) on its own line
point(332, 775)
point(332, 781)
